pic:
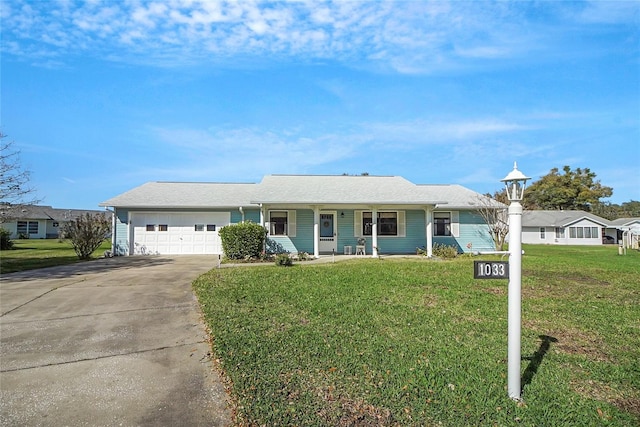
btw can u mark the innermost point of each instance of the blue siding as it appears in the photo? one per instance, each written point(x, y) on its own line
point(121, 243)
point(474, 233)
point(302, 242)
point(345, 231)
point(304, 231)
point(252, 215)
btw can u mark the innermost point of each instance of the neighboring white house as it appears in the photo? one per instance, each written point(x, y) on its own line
point(565, 228)
point(40, 222)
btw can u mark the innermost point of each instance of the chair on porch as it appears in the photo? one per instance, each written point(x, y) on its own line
point(361, 246)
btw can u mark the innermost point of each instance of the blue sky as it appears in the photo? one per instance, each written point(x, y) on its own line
point(101, 97)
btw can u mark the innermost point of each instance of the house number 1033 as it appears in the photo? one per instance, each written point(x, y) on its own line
point(490, 270)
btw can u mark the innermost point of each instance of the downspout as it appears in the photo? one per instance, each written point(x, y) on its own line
point(241, 212)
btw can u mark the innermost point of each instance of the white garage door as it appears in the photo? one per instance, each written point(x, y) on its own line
point(178, 233)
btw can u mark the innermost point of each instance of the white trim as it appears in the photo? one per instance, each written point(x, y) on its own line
point(334, 245)
point(455, 223)
point(401, 222)
point(290, 229)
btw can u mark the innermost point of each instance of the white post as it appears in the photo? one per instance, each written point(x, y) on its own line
point(429, 219)
point(374, 233)
point(316, 232)
point(515, 299)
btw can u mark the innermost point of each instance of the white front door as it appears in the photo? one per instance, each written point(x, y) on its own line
point(328, 232)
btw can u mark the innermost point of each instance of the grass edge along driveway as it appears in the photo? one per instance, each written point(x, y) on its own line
point(29, 254)
point(420, 342)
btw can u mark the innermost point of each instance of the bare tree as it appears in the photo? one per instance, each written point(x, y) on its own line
point(494, 213)
point(15, 189)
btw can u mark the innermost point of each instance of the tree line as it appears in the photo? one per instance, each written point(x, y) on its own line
point(572, 189)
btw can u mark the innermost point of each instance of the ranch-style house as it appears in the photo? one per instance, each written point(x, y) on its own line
point(317, 214)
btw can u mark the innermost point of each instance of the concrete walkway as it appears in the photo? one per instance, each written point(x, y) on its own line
point(107, 343)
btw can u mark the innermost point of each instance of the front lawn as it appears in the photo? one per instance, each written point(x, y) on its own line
point(420, 342)
point(29, 254)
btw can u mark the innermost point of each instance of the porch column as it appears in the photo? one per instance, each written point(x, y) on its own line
point(428, 218)
point(374, 233)
point(262, 223)
point(261, 216)
point(316, 232)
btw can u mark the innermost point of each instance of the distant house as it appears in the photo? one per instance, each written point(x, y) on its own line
point(575, 228)
point(301, 213)
point(40, 222)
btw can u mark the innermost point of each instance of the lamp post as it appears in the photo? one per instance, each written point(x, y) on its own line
point(515, 183)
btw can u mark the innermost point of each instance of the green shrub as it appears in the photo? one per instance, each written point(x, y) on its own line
point(5, 240)
point(284, 260)
point(243, 241)
point(444, 251)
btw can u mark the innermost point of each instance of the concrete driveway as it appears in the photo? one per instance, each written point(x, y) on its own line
point(109, 342)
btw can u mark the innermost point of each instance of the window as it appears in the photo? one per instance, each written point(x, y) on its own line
point(583, 232)
point(27, 227)
point(367, 223)
point(278, 221)
point(442, 224)
point(151, 227)
point(199, 227)
point(163, 227)
point(211, 227)
point(559, 232)
point(387, 223)
point(542, 233)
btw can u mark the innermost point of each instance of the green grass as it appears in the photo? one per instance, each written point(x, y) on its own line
point(38, 253)
point(420, 342)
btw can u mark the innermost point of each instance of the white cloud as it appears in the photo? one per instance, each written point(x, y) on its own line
point(411, 37)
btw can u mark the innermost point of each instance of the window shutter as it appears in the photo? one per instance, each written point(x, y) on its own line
point(402, 228)
point(357, 224)
point(455, 224)
point(291, 223)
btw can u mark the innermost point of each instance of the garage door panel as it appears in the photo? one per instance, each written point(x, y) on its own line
point(180, 236)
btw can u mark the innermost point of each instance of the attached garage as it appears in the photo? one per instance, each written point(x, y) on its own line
point(171, 233)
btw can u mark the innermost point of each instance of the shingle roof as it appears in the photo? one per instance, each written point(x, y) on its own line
point(458, 196)
point(184, 195)
point(340, 189)
point(558, 218)
point(620, 222)
point(297, 189)
point(36, 212)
